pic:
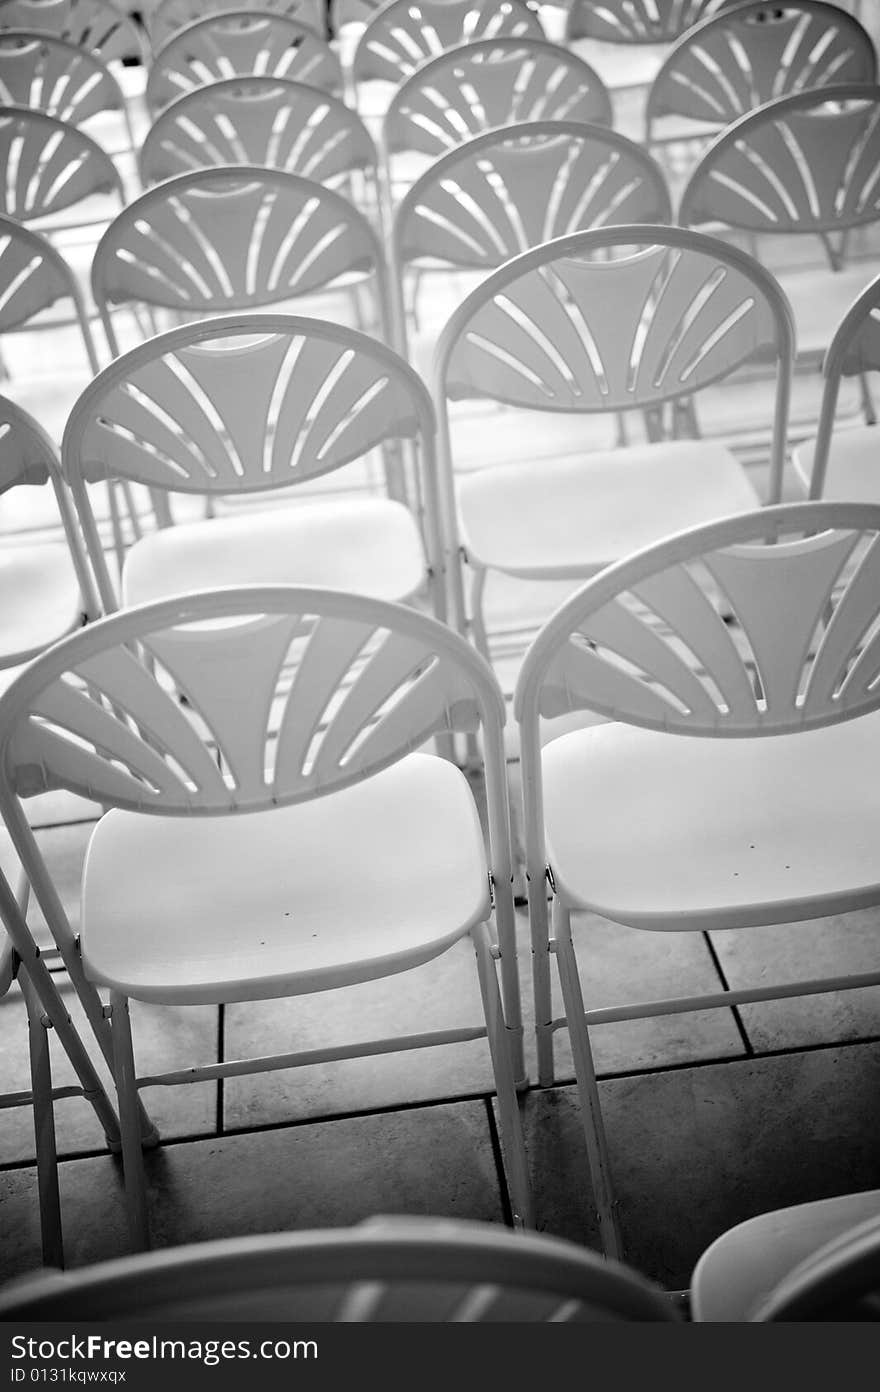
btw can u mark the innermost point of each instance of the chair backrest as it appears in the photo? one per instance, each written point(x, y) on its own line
point(507, 190)
point(365, 682)
point(172, 414)
point(650, 640)
point(251, 43)
point(49, 74)
point(49, 164)
point(752, 53)
point(29, 457)
point(33, 276)
point(636, 21)
point(854, 350)
point(258, 120)
point(100, 26)
point(839, 1282)
point(234, 237)
point(170, 16)
point(486, 84)
point(566, 327)
point(389, 1271)
point(809, 162)
point(403, 34)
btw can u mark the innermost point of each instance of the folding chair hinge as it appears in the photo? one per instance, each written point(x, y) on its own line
point(491, 889)
point(107, 1011)
point(548, 872)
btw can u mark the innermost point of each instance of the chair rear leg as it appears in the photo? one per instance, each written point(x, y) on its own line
point(44, 1126)
point(588, 1091)
point(512, 1139)
point(130, 1123)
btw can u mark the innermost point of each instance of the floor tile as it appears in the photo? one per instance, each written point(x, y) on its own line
point(695, 1150)
point(442, 994)
point(788, 952)
point(433, 1160)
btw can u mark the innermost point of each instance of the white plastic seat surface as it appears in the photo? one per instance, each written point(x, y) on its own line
point(853, 465)
point(41, 596)
point(371, 545)
point(574, 514)
point(820, 298)
point(306, 898)
point(744, 1265)
point(637, 828)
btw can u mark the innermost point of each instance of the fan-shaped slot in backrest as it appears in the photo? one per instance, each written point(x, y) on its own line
point(170, 16)
point(231, 237)
point(736, 60)
point(97, 26)
point(105, 713)
point(49, 74)
point(561, 329)
point(267, 121)
point(254, 43)
point(172, 414)
point(636, 21)
point(489, 84)
point(405, 33)
point(502, 193)
point(760, 625)
point(805, 163)
point(32, 274)
point(49, 165)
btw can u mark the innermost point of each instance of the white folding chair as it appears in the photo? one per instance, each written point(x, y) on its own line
point(240, 43)
point(747, 54)
point(730, 783)
point(387, 1270)
point(49, 166)
point(238, 237)
point(604, 322)
point(170, 16)
point(401, 36)
point(270, 838)
point(483, 85)
point(626, 41)
point(271, 121)
point(508, 190)
point(842, 463)
point(170, 415)
point(46, 73)
point(804, 165)
point(812, 1261)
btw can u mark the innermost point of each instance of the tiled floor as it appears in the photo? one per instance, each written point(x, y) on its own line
point(711, 1117)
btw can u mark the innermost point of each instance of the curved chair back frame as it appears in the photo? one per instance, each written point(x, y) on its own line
point(171, 415)
point(252, 43)
point(487, 84)
point(748, 54)
point(853, 351)
point(270, 121)
point(234, 237)
point(50, 165)
point(42, 72)
point(636, 21)
point(402, 35)
point(98, 26)
point(170, 16)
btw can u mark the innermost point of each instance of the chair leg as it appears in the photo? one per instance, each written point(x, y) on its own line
point(130, 1123)
point(512, 1140)
point(588, 1091)
point(44, 1126)
point(478, 625)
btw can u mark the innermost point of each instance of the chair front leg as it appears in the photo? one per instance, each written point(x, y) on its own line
point(44, 1125)
point(130, 1123)
point(588, 1090)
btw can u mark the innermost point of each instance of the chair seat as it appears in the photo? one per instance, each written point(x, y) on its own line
point(43, 601)
point(741, 1267)
point(370, 545)
point(570, 516)
point(853, 465)
point(820, 298)
point(344, 888)
point(679, 832)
